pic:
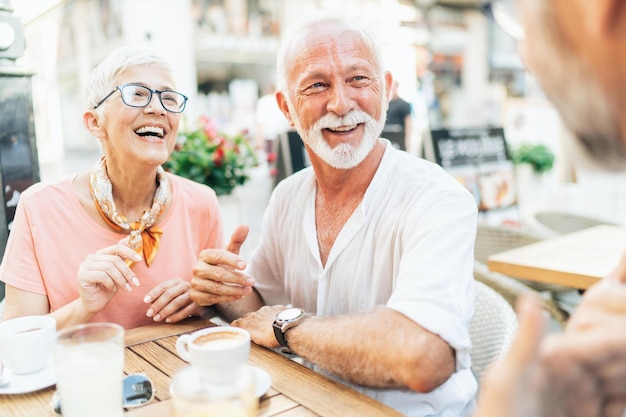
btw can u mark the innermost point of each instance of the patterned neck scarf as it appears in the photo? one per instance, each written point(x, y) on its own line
point(144, 236)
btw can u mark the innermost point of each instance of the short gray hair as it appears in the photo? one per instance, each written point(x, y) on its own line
point(102, 79)
point(319, 20)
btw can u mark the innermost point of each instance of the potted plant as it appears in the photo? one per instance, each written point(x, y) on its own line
point(539, 157)
point(532, 164)
point(208, 156)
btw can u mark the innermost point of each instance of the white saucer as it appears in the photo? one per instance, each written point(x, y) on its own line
point(263, 381)
point(21, 384)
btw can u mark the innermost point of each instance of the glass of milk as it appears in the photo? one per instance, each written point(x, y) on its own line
point(89, 364)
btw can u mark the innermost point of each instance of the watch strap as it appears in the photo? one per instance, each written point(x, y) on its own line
point(280, 336)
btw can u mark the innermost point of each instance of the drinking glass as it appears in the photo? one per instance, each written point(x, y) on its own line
point(193, 395)
point(89, 364)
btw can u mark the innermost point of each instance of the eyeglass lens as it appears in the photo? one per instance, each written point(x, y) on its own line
point(140, 96)
point(506, 15)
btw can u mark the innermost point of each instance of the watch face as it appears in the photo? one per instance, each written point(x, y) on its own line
point(290, 314)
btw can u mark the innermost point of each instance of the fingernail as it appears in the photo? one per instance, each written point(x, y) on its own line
point(250, 281)
point(136, 257)
point(247, 290)
point(168, 320)
point(136, 282)
point(150, 312)
point(128, 287)
point(147, 299)
point(241, 264)
point(157, 317)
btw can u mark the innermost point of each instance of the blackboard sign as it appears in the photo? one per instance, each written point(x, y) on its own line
point(454, 147)
point(480, 160)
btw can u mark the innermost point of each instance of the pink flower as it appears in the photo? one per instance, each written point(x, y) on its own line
point(209, 125)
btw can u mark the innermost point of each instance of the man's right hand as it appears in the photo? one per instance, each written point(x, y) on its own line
point(218, 276)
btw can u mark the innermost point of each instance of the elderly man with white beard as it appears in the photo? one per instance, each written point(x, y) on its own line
point(372, 247)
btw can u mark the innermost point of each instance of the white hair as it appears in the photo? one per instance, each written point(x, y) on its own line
point(317, 22)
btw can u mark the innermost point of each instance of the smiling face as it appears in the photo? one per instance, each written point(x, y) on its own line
point(337, 95)
point(131, 135)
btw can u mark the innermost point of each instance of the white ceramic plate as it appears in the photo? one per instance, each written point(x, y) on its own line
point(21, 384)
point(263, 381)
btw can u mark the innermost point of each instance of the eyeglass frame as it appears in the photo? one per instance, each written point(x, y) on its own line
point(152, 92)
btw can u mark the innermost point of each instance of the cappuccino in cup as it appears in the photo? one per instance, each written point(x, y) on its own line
point(220, 340)
point(217, 352)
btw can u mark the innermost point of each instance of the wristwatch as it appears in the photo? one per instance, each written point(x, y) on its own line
point(286, 320)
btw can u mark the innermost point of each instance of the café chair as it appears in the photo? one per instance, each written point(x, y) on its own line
point(492, 328)
point(511, 289)
point(555, 223)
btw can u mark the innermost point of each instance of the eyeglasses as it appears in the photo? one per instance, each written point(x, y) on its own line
point(505, 14)
point(138, 391)
point(134, 95)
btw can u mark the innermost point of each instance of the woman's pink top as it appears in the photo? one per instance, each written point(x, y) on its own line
point(52, 234)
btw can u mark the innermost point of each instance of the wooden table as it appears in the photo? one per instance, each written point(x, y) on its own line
point(575, 260)
point(296, 390)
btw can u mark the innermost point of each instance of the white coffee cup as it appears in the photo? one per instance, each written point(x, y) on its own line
point(218, 352)
point(26, 343)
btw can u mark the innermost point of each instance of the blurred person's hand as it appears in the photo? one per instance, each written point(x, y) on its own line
point(514, 387)
point(578, 373)
point(590, 357)
point(218, 276)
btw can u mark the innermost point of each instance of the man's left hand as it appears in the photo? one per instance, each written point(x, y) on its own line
point(259, 324)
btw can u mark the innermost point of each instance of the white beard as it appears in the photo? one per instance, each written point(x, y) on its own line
point(345, 155)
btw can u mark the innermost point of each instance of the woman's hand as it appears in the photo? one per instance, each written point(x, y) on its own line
point(103, 273)
point(171, 301)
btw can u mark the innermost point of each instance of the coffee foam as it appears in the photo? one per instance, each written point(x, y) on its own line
point(219, 340)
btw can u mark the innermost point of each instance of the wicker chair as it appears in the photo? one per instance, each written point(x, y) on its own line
point(492, 328)
point(554, 223)
point(511, 289)
point(493, 239)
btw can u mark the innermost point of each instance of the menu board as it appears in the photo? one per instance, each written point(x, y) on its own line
point(478, 158)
